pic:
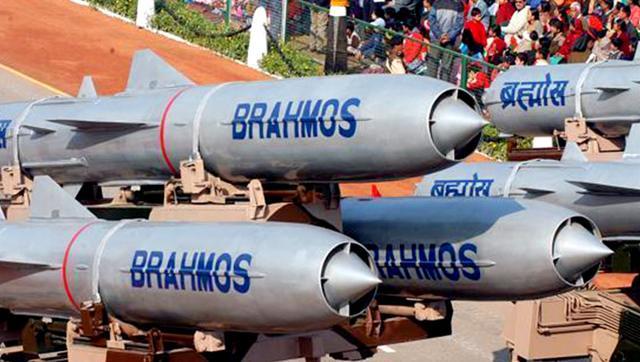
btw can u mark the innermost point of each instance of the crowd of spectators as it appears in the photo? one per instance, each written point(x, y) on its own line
point(502, 33)
point(427, 36)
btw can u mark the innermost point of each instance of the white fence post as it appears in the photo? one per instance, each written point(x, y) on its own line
point(145, 12)
point(283, 29)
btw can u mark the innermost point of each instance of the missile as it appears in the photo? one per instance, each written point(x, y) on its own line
point(474, 249)
point(606, 192)
point(322, 129)
point(535, 101)
point(267, 278)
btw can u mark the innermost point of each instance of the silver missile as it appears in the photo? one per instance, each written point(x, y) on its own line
point(476, 249)
point(535, 101)
point(267, 278)
point(355, 127)
point(605, 192)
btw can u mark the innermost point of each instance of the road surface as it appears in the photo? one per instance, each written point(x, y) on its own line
point(477, 328)
point(17, 87)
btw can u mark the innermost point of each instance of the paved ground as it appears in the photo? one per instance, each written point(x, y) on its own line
point(14, 87)
point(477, 329)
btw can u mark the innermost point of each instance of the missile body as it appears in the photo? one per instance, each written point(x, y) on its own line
point(312, 129)
point(535, 101)
point(270, 278)
point(606, 192)
point(477, 249)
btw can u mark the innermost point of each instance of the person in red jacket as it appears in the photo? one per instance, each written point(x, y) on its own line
point(414, 46)
point(575, 32)
point(478, 80)
point(495, 45)
point(622, 36)
point(474, 34)
point(505, 12)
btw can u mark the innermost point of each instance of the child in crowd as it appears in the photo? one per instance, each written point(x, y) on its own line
point(353, 39)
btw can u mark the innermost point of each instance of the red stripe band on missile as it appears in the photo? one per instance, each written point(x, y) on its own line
point(163, 146)
point(65, 280)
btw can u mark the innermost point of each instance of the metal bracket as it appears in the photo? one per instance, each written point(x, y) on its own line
point(15, 185)
point(123, 196)
point(257, 203)
point(156, 344)
point(577, 130)
point(93, 320)
point(421, 311)
point(373, 324)
point(203, 187)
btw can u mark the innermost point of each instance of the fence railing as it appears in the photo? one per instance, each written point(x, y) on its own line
point(304, 24)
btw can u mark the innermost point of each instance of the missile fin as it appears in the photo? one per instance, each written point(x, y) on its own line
point(612, 88)
point(87, 88)
point(18, 264)
point(72, 189)
point(573, 153)
point(536, 190)
point(149, 71)
point(84, 125)
point(622, 239)
point(632, 146)
point(49, 200)
point(601, 188)
point(38, 129)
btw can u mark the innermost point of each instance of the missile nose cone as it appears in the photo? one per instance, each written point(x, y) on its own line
point(346, 279)
point(577, 250)
point(453, 125)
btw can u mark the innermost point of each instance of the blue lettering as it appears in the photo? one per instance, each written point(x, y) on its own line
point(203, 269)
point(390, 264)
point(226, 259)
point(465, 188)
point(153, 267)
point(169, 273)
point(409, 261)
point(203, 272)
point(531, 94)
point(242, 273)
point(309, 119)
point(4, 125)
point(348, 117)
point(137, 268)
point(306, 117)
point(257, 114)
point(188, 269)
point(328, 128)
point(428, 263)
point(273, 127)
point(468, 262)
point(454, 273)
point(239, 125)
point(291, 118)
